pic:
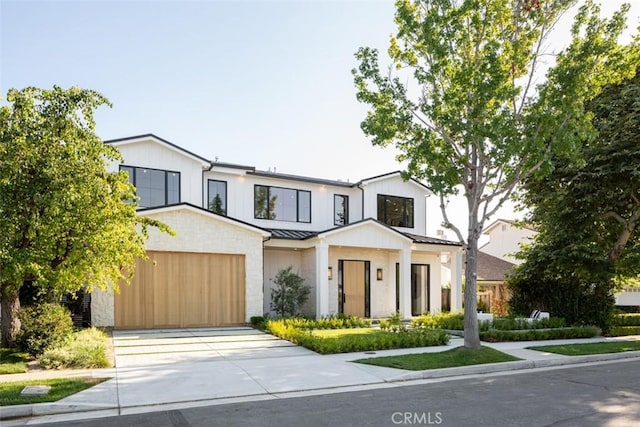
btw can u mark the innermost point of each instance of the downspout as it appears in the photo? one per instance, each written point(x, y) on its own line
point(359, 185)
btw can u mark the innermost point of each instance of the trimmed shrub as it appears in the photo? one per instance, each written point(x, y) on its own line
point(451, 320)
point(85, 350)
point(620, 331)
point(495, 335)
point(44, 326)
point(629, 319)
point(512, 324)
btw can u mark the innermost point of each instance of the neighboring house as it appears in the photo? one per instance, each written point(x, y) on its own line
point(505, 237)
point(359, 246)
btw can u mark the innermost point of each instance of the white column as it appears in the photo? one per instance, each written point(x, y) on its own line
point(456, 281)
point(322, 279)
point(435, 287)
point(405, 283)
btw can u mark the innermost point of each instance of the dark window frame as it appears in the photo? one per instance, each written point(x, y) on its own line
point(166, 183)
point(408, 221)
point(225, 206)
point(269, 209)
point(345, 202)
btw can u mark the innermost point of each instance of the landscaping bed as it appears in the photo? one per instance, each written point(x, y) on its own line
point(60, 388)
point(306, 333)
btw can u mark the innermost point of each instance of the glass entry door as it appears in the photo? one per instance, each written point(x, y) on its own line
point(420, 288)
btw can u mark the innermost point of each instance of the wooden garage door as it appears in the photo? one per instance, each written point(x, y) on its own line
point(183, 289)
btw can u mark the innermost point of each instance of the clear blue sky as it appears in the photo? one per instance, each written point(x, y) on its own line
point(261, 83)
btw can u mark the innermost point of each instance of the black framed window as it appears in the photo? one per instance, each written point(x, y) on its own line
point(340, 209)
point(395, 211)
point(281, 204)
point(154, 187)
point(217, 196)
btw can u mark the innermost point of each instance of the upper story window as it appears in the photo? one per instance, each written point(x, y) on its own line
point(395, 211)
point(282, 204)
point(217, 196)
point(154, 187)
point(340, 209)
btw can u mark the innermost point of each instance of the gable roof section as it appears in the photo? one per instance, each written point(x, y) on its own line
point(149, 136)
point(393, 174)
point(188, 206)
point(300, 178)
point(516, 224)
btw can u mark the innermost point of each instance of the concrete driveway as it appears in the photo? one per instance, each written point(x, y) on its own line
point(168, 346)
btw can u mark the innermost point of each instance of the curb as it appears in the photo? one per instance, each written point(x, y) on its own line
point(514, 366)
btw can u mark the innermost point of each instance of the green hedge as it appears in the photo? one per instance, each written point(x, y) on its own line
point(455, 321)
point(629, 319)
point(44, 326)
point(618, 331)
point(452, 321)
point(513, 324)
point(538, 334)
point(296, 331)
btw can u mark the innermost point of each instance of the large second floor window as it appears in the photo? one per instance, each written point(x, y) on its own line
point(395, 211)
point(282, 204)
point(217, 196)
point(340, 209)
point(154, 187)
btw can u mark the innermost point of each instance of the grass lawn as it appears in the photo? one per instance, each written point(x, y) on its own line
point(458, 356)
point(590, 348)
point(60, 388)
point(332, 333)
point(13, 361)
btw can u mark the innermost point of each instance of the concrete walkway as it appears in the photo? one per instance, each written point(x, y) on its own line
point(162, 370)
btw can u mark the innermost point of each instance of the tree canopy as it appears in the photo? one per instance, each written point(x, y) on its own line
point(66, 222)
point(461, 103)
point(587, 212)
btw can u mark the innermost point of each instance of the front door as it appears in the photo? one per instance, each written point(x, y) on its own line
point(354, 282)
point(419, 289)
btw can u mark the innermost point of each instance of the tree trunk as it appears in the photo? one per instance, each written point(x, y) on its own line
point(471, 335)
point(10, 304)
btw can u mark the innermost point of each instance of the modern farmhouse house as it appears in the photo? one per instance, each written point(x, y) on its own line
point(361, 247)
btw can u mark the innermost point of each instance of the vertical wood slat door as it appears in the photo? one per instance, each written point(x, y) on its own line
point(353, 285)
point(183, 290)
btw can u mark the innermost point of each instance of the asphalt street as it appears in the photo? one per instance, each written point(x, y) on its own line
point(603, 394)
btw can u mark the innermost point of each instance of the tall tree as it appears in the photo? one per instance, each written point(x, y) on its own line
point(587, 211)
point(470, 117)
point(66, 222)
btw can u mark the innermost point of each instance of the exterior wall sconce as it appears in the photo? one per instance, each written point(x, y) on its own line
point(330, 273)
point(379, 274)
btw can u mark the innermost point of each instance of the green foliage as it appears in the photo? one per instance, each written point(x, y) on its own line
point(512, 324)
point(329, 322)
point(85, 350)
point(393, 323)
point(469, 117)
point(587, 211)
point(300, 331)
point(448, 320)
point(627, 319)
point(44, 326)
point(66, 221)
point(495, 335)
point(620, 331)
point(13, 361)
point(590, 348)
point(60, 388)
point(289, 294)
point(459, 356)
point(258, 321)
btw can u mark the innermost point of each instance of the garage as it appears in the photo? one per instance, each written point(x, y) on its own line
point(183, 289)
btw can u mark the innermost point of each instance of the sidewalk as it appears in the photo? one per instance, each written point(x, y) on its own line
point(229, 379)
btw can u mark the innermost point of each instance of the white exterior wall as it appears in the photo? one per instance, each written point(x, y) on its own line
point(504, 243)
point(199, 232)
point(240, 199)
point(628, 297)
point(394, 185)
point(153, 155)
point(102, 309)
